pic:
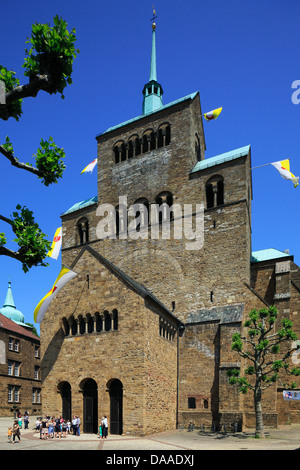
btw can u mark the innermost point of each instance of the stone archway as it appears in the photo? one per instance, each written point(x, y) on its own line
point(90, 406)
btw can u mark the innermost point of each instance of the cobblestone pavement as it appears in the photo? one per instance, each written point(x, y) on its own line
point(179, 441)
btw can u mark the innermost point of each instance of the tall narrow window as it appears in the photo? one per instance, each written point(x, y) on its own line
point(115, 319)
point(107, 320)
point(137, 146)
point(197, 148)
point(83, 230)
point(116, 152)
point(142, 214)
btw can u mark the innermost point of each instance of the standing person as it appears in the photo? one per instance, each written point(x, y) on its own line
point(20, 420)
point(44, 429)
point(16, 431)
point(64, 428)
point(50, 429)
point(100, 429)
point(26, 420)
point(78, 425)
point(69, 426)
point(57, 428)
point(74, 425)
point(105, 427)
point(9, 434)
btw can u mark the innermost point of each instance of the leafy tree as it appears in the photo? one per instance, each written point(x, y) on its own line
point(34, 330)
point(48, 65)
point(264, 355)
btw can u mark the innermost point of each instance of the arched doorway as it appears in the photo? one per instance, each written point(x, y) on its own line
point(66, 400)
point(116, 407)
point(90, 406)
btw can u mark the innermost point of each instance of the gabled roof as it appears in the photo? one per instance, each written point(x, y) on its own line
point(142, 116)
point(224, 157)
point(131, 283)
point(12, 326)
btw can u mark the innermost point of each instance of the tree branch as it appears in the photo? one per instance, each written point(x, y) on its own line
point(15, 162)
point(5, 219)
point(12, 254)
point(40, 82)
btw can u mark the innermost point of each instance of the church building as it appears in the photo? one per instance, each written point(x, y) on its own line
point(143, 333)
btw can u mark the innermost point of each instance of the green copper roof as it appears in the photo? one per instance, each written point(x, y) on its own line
point(9, 309)
point(81, 205)
point(268, 254)
point(173, 103)
point(218, 159)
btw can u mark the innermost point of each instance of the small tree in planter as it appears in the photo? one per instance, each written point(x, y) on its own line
point(264, 358)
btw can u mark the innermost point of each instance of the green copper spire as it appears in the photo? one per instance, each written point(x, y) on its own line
point(152, 90)
point(153, 74)
point(9, 309)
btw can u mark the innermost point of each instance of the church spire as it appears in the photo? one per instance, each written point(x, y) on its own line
point(152, 90)
point(153, 73)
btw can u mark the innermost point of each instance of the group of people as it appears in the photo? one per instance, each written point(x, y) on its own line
point(15, 430)
point(52, 427)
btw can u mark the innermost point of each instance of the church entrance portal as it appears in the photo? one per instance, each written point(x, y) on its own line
point(116, 407)
point(66, 401)
point(90, 407)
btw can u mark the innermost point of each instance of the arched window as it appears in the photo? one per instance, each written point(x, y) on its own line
point(130, 149)
point(141, 213)
point(81, 325)
point(116, 153)
point(145, 143)
point(74, 326)
point(107, 321)
point(83, 230)
point(152, 141)
point(164, 135)
point(115, 319)
point(99, 322)
point(165, 201)
point(90, 324)
point(168, 135)
point(119, 150)
point(121, 219)
point(137, 146)
point(214, 191)
point(123, 152)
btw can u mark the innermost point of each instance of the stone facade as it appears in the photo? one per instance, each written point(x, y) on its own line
point(163, 362)
point(20, 384)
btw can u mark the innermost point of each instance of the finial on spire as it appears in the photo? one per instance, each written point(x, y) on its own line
point(153, 18)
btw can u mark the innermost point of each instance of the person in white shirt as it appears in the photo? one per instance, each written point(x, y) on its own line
point(104, 427)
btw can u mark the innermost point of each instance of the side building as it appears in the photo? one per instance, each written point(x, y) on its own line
point(20, 365)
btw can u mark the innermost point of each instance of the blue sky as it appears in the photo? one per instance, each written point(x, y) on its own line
point(243, 56)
